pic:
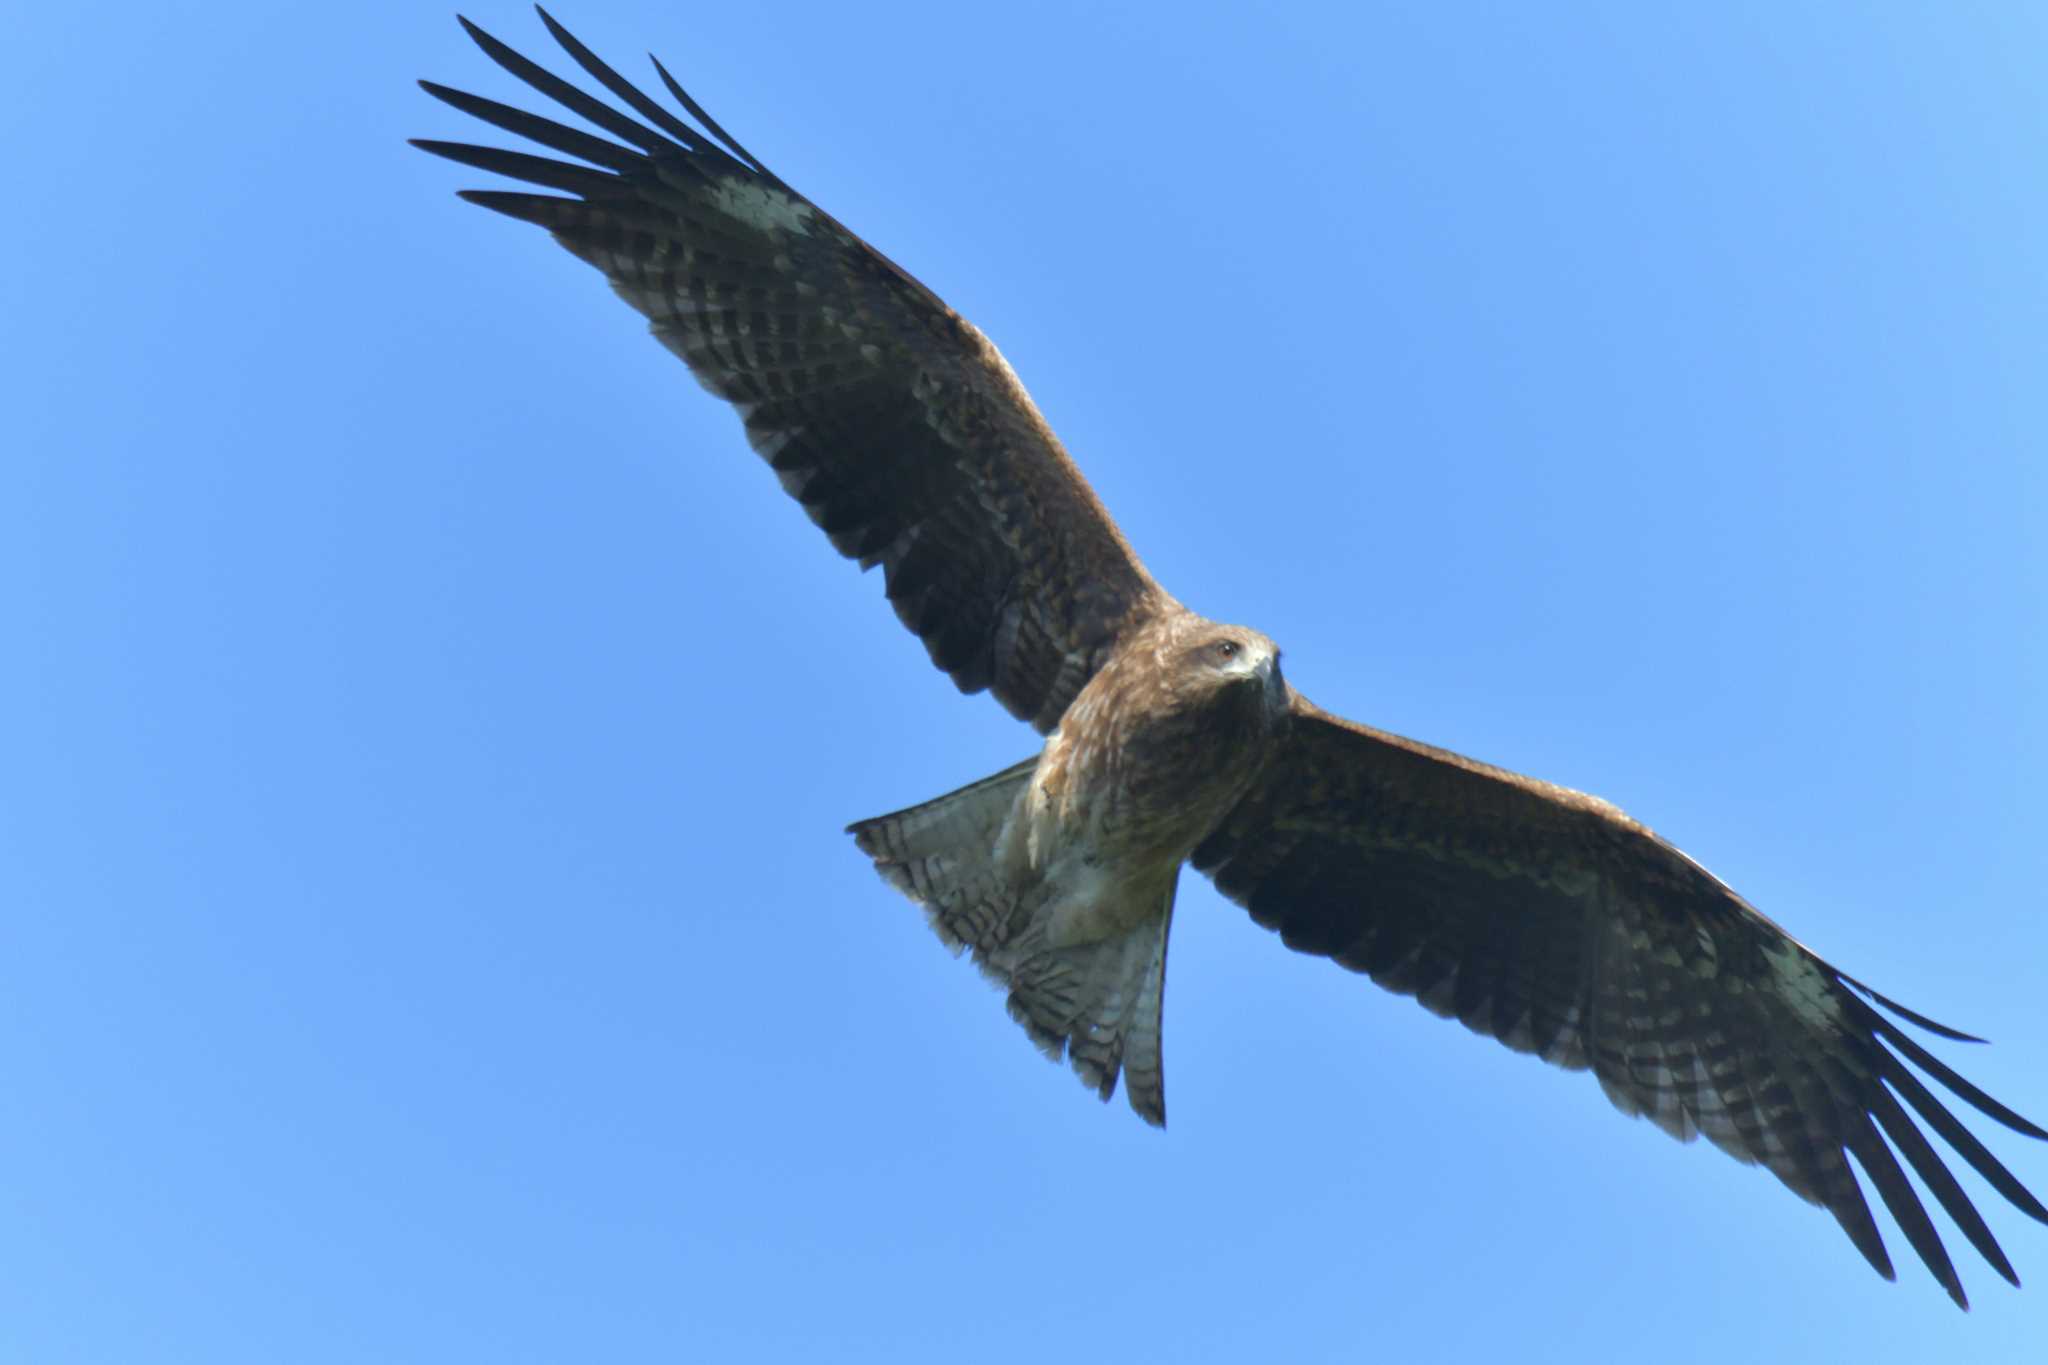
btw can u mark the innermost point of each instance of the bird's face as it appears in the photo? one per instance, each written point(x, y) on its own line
point(1229, 658)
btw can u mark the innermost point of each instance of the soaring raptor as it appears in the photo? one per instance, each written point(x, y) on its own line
point(1541, 916)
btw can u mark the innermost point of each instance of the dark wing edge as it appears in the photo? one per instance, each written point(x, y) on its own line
point(891, 419)
point(1551, 921)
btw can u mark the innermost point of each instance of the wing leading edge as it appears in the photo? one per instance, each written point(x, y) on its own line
point(1551, 921)
point(897, 424)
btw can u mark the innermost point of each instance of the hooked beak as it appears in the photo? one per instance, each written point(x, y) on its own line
point(1276, 686)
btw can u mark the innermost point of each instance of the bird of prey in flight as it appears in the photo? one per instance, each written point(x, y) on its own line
point(1538, 915)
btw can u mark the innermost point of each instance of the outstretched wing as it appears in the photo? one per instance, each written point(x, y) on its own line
point(1553, 922)
point(892, 420)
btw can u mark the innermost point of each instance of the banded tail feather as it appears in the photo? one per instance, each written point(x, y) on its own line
point(1095, 1004)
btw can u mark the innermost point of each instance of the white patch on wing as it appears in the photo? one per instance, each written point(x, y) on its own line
point(762, 205)
point(1802, 986)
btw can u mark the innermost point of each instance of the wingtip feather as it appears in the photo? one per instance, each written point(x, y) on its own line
point(1912, 1016)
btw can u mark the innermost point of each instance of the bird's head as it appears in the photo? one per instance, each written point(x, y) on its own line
point(1227, 659)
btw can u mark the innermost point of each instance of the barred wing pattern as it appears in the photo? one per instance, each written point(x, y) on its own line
point(1553, 922)
point(896, 424)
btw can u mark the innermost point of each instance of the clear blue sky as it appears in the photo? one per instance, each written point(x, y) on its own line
point(428, 730)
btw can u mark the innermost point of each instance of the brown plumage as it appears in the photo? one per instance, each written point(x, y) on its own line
point(1540, 916)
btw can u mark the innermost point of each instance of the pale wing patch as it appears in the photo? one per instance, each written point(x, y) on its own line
point(1804, 987)
point(763, 206)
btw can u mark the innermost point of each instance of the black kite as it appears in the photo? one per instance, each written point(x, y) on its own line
point(1543, 917)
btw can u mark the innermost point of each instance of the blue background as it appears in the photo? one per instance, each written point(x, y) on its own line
point(427, 731)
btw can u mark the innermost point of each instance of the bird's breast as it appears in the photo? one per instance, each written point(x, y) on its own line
point(1133, 792)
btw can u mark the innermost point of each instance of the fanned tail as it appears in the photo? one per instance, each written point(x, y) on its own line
point(942, 855)
point(1095, 1004)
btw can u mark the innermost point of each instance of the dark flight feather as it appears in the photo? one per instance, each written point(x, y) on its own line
point(890, 418)
point(1565, 928)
